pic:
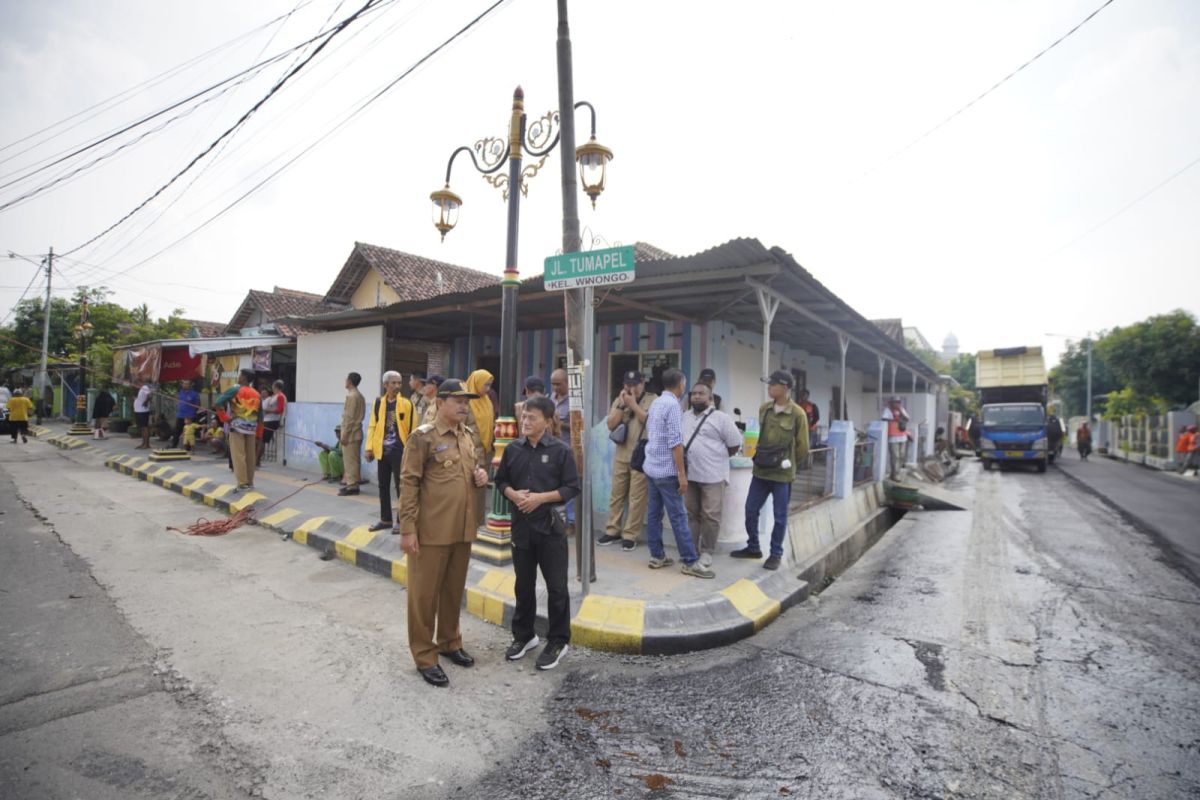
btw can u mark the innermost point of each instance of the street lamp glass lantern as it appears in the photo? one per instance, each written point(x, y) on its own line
point(593, 159)
point(445, 209)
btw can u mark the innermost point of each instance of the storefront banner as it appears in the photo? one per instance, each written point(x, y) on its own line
point(179, 365)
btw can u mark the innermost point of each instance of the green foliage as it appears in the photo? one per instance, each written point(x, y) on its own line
point(1069, 378)
point(1127, 401)
point(112, 327)
point(962, 369)
point(1158, 357)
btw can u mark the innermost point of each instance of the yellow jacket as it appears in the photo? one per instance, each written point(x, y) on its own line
point(376, 424)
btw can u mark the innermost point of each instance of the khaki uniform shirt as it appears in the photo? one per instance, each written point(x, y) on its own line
point(633, 426)
point(438, 497)
point(429, 415)
point(353, 412)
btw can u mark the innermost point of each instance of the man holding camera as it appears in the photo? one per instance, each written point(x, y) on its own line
point(897, 422)
point(626, 425)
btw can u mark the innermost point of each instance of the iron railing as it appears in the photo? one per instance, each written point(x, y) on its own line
point(814, 479)
point(864, 462)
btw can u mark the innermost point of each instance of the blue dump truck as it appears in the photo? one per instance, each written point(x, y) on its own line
point(1012, 398)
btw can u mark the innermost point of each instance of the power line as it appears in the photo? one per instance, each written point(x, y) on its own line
point(36, 274)
point(1125, 207)
point(991, 89)
point(236, 78)
point(358, 110)
point(271, 93)
point(149, 82)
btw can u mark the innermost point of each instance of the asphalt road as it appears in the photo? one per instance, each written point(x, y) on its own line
point(1163, 504)
point(1035, 647)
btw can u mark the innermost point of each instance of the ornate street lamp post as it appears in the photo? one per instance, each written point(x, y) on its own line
point(489, 156)
point(83, 331)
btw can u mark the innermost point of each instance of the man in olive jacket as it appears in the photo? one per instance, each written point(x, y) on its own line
point(782, 444)
point(353, 411)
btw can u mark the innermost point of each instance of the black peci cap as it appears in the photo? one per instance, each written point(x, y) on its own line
point(453, 387)
point(633, 378)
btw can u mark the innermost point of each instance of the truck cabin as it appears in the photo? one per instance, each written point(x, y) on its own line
point(1014, 416)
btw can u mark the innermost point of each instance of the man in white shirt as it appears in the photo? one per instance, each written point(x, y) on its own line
point(141, 413)
point(710, 438)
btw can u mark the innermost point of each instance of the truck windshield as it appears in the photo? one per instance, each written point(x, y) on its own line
point(1008, 416)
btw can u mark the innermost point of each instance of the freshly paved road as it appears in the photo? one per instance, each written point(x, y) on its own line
point(1034, 647)
point(1164, 504)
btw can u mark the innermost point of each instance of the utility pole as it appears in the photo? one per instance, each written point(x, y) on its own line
point(578, 305)
point(42, 378)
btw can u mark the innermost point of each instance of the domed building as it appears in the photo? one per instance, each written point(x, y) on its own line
point(950, 347)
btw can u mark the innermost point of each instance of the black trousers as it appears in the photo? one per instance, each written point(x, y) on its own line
point(388, 467)
point(549, 552)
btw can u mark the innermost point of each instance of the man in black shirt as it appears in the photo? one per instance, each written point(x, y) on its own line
point(537, 472)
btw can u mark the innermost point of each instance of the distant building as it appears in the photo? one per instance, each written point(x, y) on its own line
point(914, 337)
point(950, 347)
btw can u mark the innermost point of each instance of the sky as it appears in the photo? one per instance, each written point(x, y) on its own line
point(1065, 201)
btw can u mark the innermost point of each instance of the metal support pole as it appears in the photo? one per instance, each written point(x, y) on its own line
point(1089, 381)
point(767, 306)
point(893, 377)
point(511, 283)
point(42, 377)
point(844, 345)
point(577, 302)
point(881, 361)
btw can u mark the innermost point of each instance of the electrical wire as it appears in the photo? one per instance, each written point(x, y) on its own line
point(250, 112)
point(11, 311)
point(320, 140)
point(984, 94)
point(238, 77)
point(146, 84)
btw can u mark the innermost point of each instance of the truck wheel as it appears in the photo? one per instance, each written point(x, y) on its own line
point(1041, 466)
point(987, 465)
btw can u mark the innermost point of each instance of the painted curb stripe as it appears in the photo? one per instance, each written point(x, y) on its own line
point(248, 499)
point(211, 498)
point(347, 549)
point(752, 603)
point(279, 517)
point(495, 590)
point(195, 486)
point(301, 533)
point(610, 623)
point(173, 481)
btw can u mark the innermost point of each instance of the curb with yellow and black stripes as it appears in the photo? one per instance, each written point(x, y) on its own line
point(604, 622)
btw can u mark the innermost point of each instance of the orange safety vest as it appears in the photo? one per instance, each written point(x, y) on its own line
point(894, 424)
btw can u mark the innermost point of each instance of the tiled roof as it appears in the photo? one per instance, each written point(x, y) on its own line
point(410, 276)
point(206, 330)
point(892, 328)
point(648, 252)
point(278, 304)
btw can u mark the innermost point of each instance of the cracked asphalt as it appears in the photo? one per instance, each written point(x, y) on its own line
point(1035, 647)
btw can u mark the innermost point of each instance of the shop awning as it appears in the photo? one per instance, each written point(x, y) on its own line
point(233, 344)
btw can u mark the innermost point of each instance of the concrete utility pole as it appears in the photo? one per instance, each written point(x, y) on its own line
point(577, 302)
point(42, 378)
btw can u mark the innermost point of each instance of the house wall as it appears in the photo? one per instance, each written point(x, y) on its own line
point(324, 359)
point(373, 292)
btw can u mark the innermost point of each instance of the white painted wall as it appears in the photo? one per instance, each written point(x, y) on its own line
point(324, 359)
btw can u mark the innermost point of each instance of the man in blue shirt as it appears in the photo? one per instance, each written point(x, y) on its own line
point(666, 478)
point(188, 403)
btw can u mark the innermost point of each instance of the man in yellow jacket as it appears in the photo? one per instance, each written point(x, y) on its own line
point(388, 426)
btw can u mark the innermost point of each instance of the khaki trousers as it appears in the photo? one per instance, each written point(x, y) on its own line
point(243, 450)
point(437, 579)
point(628, 486)
point(703, 503)
point(352, 458)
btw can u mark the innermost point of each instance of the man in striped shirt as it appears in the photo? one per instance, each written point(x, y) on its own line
point(666, 479)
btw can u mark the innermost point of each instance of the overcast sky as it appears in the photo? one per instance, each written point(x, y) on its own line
point(790, 122)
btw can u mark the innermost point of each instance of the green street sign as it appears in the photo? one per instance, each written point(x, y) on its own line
point(610, 267)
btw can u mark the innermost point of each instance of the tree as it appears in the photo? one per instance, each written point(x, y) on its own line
point(1158, 357)
point(1069, 377)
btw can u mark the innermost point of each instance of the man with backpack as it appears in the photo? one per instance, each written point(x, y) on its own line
point(782, 444)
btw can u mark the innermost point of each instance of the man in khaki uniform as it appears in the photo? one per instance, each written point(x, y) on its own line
point(353, 411)
point(437, 519)
point(628, 485)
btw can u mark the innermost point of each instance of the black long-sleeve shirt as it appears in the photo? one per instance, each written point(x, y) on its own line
point(548, 466)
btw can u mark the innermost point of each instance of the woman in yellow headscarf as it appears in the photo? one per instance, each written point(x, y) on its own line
point(482, 416)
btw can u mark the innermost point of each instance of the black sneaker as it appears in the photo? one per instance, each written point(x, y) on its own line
point(517, 650)
point(772, 563)
point(746, 552)
point(629, 545)
point(607, 539)
point(551, 655)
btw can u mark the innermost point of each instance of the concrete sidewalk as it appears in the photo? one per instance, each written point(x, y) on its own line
point(1163, 504)
point(631, 608)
